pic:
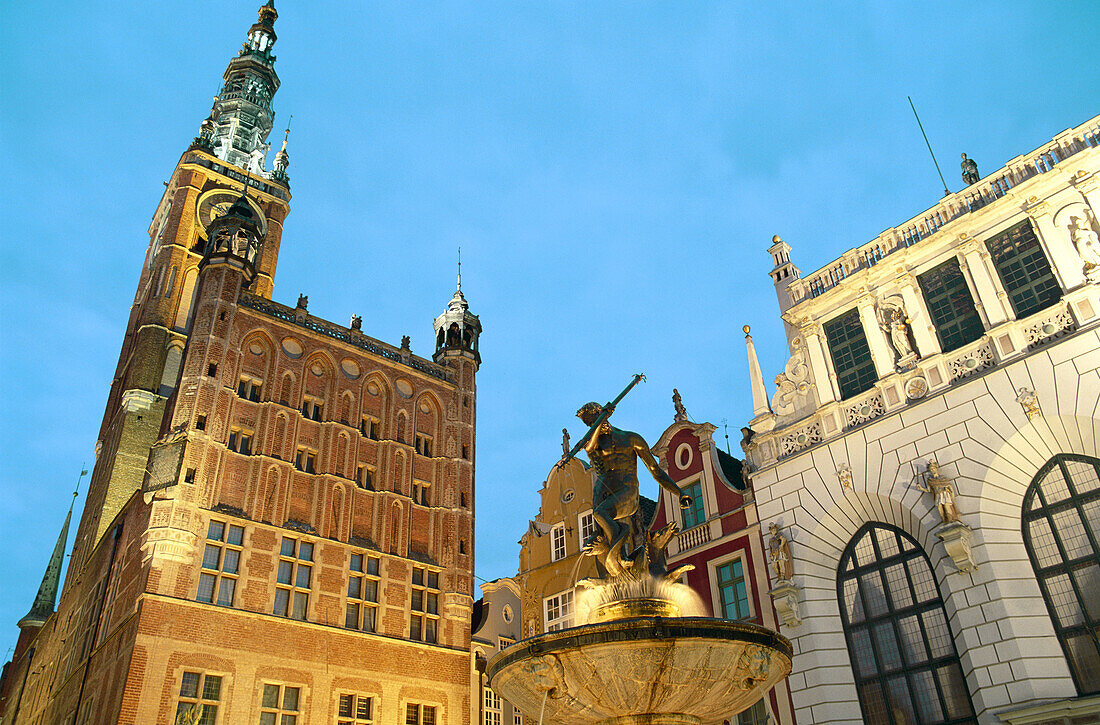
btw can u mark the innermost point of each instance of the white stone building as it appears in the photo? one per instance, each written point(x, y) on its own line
point(932, 456)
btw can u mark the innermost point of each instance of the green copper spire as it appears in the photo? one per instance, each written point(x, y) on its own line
point(47, 592)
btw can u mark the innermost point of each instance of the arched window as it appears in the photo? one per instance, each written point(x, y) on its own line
point(903, 655)
point(1061, 521)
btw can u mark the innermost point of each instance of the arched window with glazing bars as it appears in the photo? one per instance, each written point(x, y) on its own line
point(903, 654)
point(1061, 522)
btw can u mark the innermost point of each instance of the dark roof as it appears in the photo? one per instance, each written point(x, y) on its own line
point(647, 507)
point(731, 469)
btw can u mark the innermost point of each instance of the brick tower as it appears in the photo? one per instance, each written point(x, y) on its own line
point(279, 525)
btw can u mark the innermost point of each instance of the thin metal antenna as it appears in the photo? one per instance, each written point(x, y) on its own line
point(460, 269)
point(76, 490)
point(286, 134)
point(946, 192)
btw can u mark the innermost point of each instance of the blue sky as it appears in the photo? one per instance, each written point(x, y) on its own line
point(613, 172)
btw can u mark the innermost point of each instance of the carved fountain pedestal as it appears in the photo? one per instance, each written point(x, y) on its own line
point(631, 669)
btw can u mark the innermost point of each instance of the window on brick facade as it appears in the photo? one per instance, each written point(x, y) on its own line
point(369, 427)
point(189, 475)
point(200, 695)
point(462, 499)
point(492, 707)
point(363, 583)
point(364, 477)
point(586, 525)
point(221, 563)
point(733, 593)
point(465, 452)
point(240, 440)
point(424, 444)
point(855, 370)
point(424, 605)
point(305, 460)
point(313, 408)
point(200, 422)
point(1061, 521)
point(900, 646)
point(1024, 269)
point(557, 542)
point(293, 579)
point(517, 716)
point(951, 306)
point(355, 710)
point(421, 491)
point(250, 389)
point(212, 370)
point(419, 714)
point(280, 705)
point(696, 513)
point(558, 611)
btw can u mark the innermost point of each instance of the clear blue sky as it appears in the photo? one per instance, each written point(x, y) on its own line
point(613, 172)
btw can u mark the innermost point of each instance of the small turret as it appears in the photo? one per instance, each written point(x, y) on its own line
point(457, 329)
point(234, 239)
point(784, 271)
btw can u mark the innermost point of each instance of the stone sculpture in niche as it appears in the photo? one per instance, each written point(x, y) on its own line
point(794, 391)
point(844, 475)
point(894, 320)
point(1029, 401)
point(1088, 244)
point(779, 552)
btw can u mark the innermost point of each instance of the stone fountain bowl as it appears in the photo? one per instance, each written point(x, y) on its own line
point(654, 670)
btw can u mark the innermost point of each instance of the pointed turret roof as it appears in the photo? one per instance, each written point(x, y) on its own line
point(46, 599)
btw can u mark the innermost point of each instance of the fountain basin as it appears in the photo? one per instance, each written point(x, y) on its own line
point(653, 670)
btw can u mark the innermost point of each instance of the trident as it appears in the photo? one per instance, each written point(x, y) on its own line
point(607, 410)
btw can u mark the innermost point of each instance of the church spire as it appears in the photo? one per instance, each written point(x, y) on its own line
point(242, 117)
point(44, 602)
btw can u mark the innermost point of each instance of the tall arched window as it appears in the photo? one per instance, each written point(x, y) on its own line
point(1061, 521)
point(903, 655)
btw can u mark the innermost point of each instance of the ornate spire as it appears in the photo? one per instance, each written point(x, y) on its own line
point(282, 158)
point(457, 329)
point(242, 117)
point(756, 379)
point(44, 602)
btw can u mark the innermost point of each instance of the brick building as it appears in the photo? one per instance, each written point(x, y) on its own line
point(279, 524)
point(931, 457)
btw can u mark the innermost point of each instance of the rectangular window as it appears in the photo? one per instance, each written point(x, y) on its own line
point(200, 422)
point(221, 563)
point(505, 642)
point(517, 716)
point(587, 527)
point(419, 714)
point(312, 408)
point(280, 705)
point(292, 580)
point(364, 476)
point(363, 583)
point(240, 440)
point(420, 492)
point(755, 715)
point(369, 427)
point(558, 611)
point(855, 370)
point(1024, 269)
point(249, 389)
point(212, 370)
point(492, 707)
point(951, 306)
point(199, 697)
point(733, 591)
point(305, 460)
point(424, 605)
point(355, 710)
point(557, 542)
point(696, 513)
point(424, 444)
